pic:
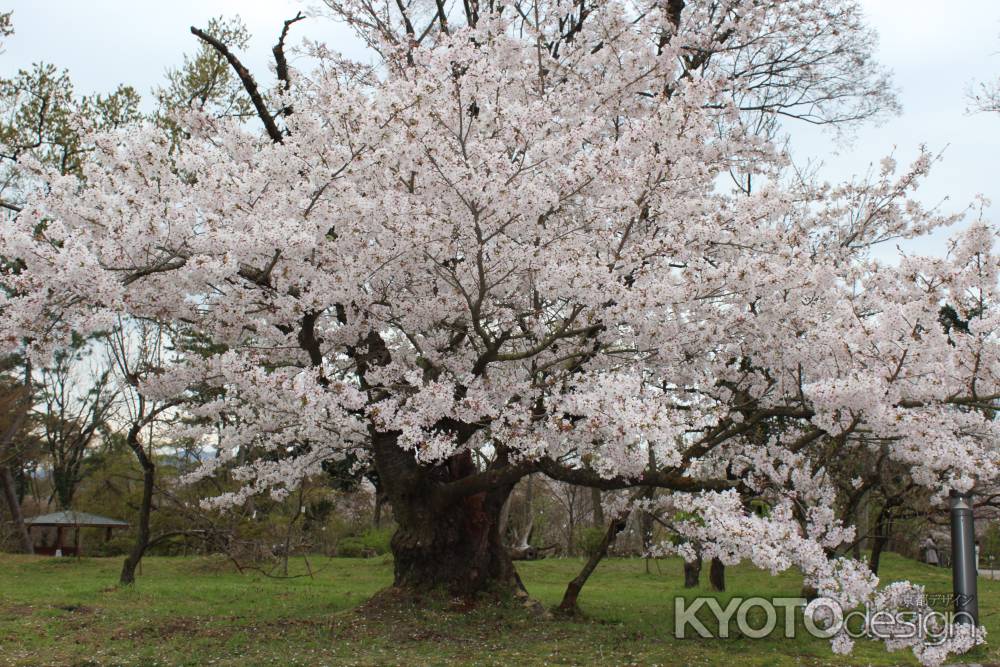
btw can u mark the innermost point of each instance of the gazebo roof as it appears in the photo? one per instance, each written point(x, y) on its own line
point(73, 518)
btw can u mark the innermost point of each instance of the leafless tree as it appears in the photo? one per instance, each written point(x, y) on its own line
point(76, 402)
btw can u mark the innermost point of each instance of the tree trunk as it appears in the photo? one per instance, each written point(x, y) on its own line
point(455, 546)
point(717, 575)
point(7, 482)
point(569, 601)
point(645, 518)
point(646, 528)
point(878, 544)
point(127, 576)
point(692, 573)
point(597, 508)
point(458, 549)
point(523, 542)
point(571, 523)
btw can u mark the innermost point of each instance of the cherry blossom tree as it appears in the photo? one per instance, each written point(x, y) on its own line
point(508, 248)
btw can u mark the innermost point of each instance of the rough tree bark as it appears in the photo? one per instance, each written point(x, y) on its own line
point(443, 544)
point(692, 573)
point(717, 575)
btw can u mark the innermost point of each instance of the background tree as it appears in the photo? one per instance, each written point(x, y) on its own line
point(42, 118)
point(77, 403)
point(205, 81)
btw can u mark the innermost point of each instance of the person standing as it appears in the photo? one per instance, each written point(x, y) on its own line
point(931, 552)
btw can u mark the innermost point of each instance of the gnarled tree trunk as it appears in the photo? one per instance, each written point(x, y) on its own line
point(453, 546)
point(459, 549)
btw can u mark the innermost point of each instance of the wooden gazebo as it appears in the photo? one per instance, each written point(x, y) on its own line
point(70, 519)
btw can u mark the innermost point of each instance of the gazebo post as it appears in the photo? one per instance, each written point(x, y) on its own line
point(76, 541)
point(59, 538)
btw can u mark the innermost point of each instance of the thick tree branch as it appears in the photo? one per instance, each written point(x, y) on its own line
point(494, 477)
point(249, 84)
point(280, 63)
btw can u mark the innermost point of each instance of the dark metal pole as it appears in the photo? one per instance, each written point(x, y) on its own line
point(963, 559)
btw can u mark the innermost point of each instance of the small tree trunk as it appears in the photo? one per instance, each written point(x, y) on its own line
point(692, 573)
point(7, 482)
point(878, 544)
point(596, 508)
point(529, 530)
point(291, 525)
point(646, 530)
point(570, 528)
point(127, 576)
point(645, 518)
point(717, 575)
point(569, 601)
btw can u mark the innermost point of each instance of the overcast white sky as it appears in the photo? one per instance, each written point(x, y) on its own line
point(935, 49)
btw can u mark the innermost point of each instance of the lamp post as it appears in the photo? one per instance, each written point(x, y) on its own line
point(963, 559)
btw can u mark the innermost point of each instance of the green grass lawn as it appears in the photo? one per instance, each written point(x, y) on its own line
point(199, 611)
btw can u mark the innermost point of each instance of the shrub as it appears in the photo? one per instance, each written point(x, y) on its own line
point(372, 542)
point(590, 540)
point(119, 545)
